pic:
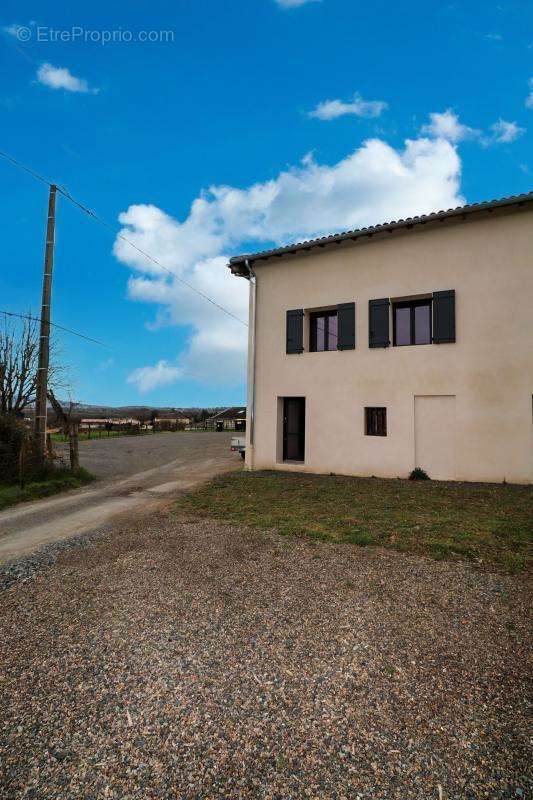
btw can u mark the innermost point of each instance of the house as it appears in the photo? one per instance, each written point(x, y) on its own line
point(231, 419)
point(98, 423)
point(407, 344)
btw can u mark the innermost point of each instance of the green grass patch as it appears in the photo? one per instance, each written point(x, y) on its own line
point(103, 434)
point(48, 484)
point(82, 437)
point(483, 523)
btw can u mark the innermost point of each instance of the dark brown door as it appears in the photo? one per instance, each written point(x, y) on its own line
point(293, 428)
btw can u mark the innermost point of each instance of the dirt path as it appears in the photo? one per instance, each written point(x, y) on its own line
point(176, 462)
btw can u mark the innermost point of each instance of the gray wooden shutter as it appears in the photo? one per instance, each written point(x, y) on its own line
point(295, 331)
point(346, 326)
point(378, 323)
point(444, 316)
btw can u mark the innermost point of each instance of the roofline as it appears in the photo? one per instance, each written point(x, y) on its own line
point(239, 265)
point(239, 409)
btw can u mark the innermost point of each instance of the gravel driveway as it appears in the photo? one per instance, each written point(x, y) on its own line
point(120, 456)
point(183, 659)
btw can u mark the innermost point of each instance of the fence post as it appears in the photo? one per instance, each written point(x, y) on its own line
point(22, 464)
point(73, 447)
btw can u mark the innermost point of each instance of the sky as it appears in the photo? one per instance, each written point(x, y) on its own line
point(201, 130)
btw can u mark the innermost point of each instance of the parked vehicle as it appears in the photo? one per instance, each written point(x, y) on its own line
point(238, 445)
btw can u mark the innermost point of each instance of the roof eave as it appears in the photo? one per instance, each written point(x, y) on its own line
point(239, 264)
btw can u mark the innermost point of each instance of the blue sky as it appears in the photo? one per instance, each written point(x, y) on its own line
point(297, 113)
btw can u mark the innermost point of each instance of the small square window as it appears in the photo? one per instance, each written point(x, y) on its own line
point(412, 322)
point(323, 331)
point(375, 421)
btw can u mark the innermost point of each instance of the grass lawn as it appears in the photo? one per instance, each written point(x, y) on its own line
point(60, 437)
point(56, 482)
point(485, 523)
point(100, 434)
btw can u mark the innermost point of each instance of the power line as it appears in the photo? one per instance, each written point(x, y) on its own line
point(103, 222)
point(25, 168)
point(55, 325)
point(62, 190)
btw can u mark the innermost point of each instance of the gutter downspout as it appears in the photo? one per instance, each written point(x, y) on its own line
point(252, 277)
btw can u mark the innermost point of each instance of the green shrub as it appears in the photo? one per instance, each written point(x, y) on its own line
point(13, 439)
point(46, 483)
point(419, 474)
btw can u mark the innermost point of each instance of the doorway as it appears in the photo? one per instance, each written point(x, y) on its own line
point(294, 428)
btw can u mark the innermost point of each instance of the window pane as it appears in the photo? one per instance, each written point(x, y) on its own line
point(422, 325)
point(320, 333)
point(403, 325)
point(376, 421)
point(332, 332)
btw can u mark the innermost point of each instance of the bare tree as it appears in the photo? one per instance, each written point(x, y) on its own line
point(19, 352)
point(69, 419)
point(142, 415)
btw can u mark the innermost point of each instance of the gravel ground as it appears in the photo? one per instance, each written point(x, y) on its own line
point(183, 659)
point(120, 456)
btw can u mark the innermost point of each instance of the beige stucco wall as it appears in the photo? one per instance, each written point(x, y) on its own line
point(488, 260)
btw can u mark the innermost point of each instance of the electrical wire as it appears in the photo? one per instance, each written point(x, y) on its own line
point(55, 325)
point(64, 191)
point(19, 164)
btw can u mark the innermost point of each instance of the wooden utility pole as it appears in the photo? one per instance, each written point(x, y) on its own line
point(44, 340)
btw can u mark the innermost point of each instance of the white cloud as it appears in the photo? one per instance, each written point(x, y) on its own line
point(373, 184)
point(332, 109)
point(146, 379)
point(447, 126)
point(494, 37)
point(294, 3)
point(62, 78)
point(504, 132)
point(529, 98)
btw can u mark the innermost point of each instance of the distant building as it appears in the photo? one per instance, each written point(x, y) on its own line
point(99, 422)
point(231, 419)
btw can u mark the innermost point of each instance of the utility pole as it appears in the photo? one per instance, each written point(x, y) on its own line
point(44, 340)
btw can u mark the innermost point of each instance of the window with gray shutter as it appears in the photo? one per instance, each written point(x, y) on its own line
point(346, 326)
point(444, 316)
point(295, 331)
point(378, 323)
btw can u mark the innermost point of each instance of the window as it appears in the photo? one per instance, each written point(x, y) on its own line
point(376, 421)
point(412, 322)
point(323, 331)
